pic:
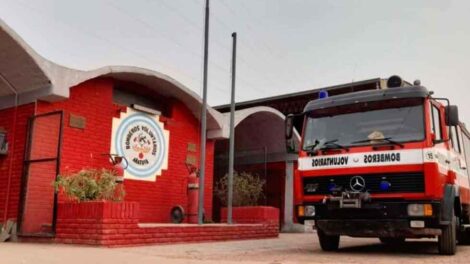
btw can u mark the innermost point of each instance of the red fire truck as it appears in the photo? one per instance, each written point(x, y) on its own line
point(387, 163)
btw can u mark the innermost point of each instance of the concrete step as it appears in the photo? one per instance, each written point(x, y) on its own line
point(5, 233)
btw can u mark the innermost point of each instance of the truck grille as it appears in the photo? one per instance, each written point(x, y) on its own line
point(399, 182)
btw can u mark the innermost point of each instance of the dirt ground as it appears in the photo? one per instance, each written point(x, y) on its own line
point(288, 248)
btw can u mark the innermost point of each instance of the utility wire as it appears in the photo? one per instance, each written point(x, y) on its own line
point(255, 51)
point(186, 49)
point(183, 47)
point(219, 44)
point(266, 47)
point(226, 72)
point(37, 10)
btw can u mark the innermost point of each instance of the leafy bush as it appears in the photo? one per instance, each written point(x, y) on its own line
point(91, 185)
point(247, 189)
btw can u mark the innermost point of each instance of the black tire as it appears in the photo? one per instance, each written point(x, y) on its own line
point(447, 241)
point(392, 240)
point(463, 236)
point(327, 242)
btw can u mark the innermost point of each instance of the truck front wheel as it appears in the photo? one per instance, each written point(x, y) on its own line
point(447, 241)
point(328, 242)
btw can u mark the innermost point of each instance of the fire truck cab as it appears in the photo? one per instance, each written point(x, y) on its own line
point(388, 163)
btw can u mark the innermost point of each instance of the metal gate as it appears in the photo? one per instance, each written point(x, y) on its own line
point(37, 214)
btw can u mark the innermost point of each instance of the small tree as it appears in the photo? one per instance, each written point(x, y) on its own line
point(90, 185)
point(247, 189)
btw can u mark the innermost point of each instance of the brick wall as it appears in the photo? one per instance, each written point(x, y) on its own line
point(116, 224)
point(6, 121)
point(91, 222)
point(82, 148)
point(252, 214)
point(273, 193)
point(39, 198)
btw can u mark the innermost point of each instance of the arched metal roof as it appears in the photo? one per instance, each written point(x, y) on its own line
point(241, 115)
point(33, 77)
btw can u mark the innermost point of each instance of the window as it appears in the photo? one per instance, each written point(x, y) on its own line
point(455, 139)
point(352, 125)
point(466, 148)
point(436, 122)
point(460, 138)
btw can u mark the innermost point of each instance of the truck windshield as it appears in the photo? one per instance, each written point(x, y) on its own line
point(400, 120)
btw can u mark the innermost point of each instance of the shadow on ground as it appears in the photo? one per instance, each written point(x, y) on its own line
point(409, 247)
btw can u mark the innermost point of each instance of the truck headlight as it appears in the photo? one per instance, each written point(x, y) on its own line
point(309, 210)
point(420, 210)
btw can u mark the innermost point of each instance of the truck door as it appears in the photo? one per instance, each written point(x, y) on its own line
point(440, 131)
point(457, 161)
point(465, 157)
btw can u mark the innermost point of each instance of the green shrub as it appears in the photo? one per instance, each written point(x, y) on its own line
point(247, 189)
point(90, 185)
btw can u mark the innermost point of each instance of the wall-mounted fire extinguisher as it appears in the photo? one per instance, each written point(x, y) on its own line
point(119, 163)
point(193, 193)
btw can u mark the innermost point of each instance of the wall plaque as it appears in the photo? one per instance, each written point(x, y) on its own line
point(191, 159)
point(77, 121)
point(191, 147)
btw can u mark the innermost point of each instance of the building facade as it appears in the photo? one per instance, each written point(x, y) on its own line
point(56, 121)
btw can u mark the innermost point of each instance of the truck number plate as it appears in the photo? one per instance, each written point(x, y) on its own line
point(350, 203)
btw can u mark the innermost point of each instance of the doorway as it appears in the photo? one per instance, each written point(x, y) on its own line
point(37, 214)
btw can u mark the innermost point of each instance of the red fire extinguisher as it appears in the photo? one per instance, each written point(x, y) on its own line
point(119, 165)
point(193, 191)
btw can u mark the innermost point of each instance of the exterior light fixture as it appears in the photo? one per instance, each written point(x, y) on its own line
point(145, 109)
point(3, 142)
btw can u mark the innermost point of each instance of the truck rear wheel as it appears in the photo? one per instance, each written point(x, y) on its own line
point(463, 236)
point(328, 242)
point(392, 240)
point(447, 241)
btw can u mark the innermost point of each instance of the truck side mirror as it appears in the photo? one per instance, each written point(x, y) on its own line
point(289, 122)
point(452, 115)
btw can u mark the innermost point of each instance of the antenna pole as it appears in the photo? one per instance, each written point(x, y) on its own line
point(202, 158)
point(232, 133)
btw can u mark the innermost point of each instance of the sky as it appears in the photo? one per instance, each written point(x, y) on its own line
point(283, 46)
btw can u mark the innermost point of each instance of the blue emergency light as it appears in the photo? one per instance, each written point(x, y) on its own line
point(331, 186)
point(385, 185)
point(323, 94)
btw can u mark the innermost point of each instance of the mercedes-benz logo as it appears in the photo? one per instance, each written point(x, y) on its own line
point(357, 183)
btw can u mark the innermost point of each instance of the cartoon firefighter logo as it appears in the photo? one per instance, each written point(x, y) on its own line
point(142, 140)
point(142, 145)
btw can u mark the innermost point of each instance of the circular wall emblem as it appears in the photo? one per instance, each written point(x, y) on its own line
point(141, 141)
point(357, 183)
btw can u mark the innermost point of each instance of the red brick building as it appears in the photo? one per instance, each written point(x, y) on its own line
point(55, 120)
point(58, 120)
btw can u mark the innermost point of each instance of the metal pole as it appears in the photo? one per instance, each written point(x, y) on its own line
point(232, 133)
point(202, 167)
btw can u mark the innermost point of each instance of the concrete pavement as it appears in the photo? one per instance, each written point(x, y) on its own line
point(289, 248)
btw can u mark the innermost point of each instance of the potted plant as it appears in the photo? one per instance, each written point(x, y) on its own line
point(247, 192)
point(90, 185)
point(93, 194)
